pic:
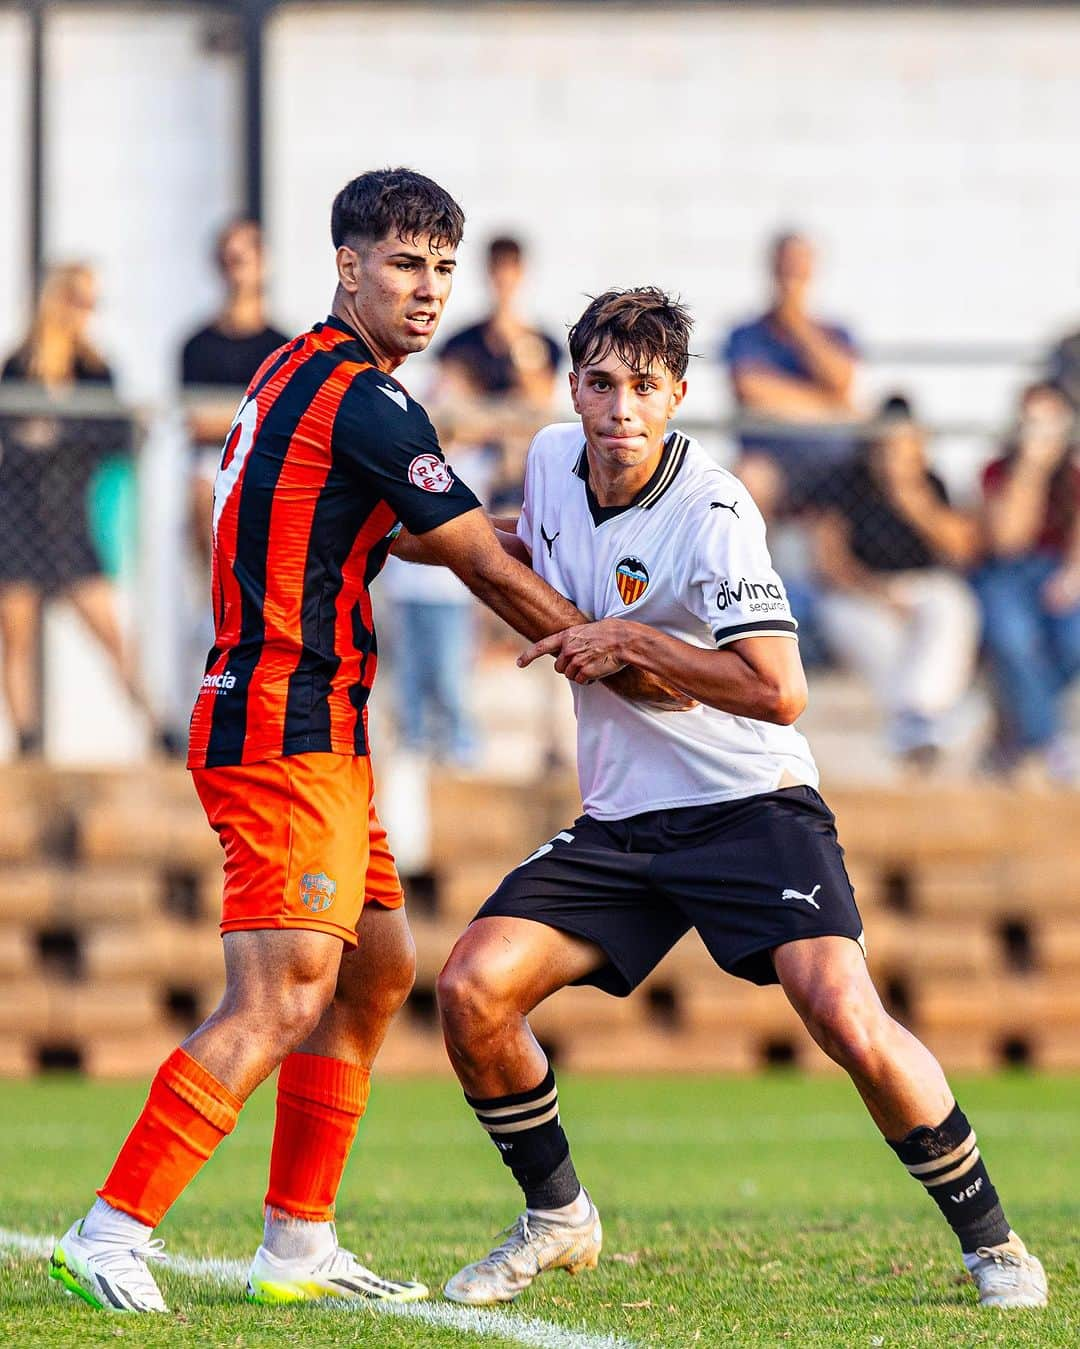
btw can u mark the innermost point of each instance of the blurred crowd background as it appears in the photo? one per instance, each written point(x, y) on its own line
point(870, 209)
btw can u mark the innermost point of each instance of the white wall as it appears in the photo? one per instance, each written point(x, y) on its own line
point(934, 154)
point(142, 169)
point(14, 171)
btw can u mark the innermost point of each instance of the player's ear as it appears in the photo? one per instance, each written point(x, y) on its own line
point(573, 390)
point(678, 393)
point(348, 268)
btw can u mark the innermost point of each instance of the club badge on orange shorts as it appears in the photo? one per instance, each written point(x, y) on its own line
point(317, 891)
point(632, 578)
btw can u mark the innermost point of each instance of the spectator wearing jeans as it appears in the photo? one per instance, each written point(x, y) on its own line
point(1030, 585)
point(789, 366)
point(895, 609)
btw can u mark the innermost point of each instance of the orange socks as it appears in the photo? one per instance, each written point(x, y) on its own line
point(319, 1105)
point(187, 1114)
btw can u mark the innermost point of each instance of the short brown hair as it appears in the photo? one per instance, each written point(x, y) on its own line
point(396, 201)
point(641, 326)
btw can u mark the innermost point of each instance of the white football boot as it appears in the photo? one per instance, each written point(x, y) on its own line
point(532, 1246)
point(339, 1274)
point(111, 1275)
point(1008, 1275)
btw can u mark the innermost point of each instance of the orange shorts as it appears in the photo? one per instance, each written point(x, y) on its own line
point(303, 845)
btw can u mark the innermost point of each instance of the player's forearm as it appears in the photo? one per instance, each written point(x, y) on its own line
point(721, 679)
point(513, 591)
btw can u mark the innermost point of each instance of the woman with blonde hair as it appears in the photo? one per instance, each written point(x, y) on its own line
point(46, 549)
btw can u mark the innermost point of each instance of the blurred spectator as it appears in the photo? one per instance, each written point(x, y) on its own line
point(790, 367)
point(435, 637)
point(1030, 585)
point(46, 548)
point(502, 357)
point(887, 542)
point(224, 355)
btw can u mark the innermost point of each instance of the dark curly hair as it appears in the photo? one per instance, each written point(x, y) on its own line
point(395, 201)
point(641, 326)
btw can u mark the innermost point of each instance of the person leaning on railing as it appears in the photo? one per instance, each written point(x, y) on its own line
point(1030, 584)
point(895, 609)
point(46, 548)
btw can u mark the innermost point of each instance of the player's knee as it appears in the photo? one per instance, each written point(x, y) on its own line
point(300, 1004)
point(471, 999)
point(848, 1026)
point(397, 974)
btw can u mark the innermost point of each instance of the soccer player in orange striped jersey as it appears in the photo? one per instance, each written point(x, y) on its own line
point(328, 457)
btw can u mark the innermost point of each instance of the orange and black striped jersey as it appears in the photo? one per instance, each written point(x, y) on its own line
point(326, 456)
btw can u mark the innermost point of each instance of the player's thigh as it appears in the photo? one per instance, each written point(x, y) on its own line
point(587, 883)
point(756, 874)
point(826, 978)
point(515, 962)
point(295, 839)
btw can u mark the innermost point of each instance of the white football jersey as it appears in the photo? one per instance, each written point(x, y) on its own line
point(689, 558)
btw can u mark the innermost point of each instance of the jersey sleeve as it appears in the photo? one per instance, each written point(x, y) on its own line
point(728, 580)
point(395, 450)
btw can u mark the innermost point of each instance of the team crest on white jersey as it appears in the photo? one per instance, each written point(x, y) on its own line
point(632, 578)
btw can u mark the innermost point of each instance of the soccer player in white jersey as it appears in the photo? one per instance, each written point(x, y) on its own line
point(706, 818)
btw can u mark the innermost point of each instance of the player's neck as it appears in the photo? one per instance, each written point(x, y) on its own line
point(385, 361)
point(619, 484)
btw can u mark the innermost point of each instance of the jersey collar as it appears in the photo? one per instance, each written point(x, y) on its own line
point(665, 473)
point(340, 326)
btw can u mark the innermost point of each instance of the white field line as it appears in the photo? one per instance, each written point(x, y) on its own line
point(525, 1330)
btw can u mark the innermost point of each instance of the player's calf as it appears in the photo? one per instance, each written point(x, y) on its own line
point(905, 1091)
point(490, 1043)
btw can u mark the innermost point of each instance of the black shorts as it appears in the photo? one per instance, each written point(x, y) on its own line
point(749, 875)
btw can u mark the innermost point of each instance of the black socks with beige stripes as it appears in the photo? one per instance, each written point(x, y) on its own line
point(525, 1128)
point(947, 1161)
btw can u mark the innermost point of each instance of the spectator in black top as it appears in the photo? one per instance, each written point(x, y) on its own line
point(895, 609)
point(46, 548)
point(503, 358)
point(223, 356)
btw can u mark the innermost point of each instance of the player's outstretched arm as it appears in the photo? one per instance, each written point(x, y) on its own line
point(413, 547)
point(758, 677)
point(469, 547)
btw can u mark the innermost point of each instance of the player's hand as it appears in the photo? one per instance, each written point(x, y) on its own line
point(584, 653)
point(593, 651)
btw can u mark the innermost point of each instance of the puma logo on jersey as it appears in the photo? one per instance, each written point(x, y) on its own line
point(722, 505)
point(550, 542)
point(798, 894)
point(395, 396)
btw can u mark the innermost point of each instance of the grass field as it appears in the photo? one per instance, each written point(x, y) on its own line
point(736, 1212)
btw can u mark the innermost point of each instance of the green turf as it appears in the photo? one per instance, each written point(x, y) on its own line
point(764, 1211)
